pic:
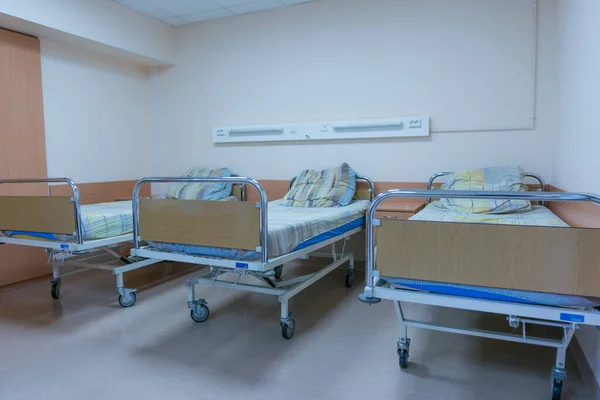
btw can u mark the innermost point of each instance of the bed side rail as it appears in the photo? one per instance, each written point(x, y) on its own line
point(579, 242)
point(369, 181)
point(437, 175)
point(42, 214)
point(201, 219)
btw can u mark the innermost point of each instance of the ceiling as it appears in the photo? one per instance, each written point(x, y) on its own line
point(181, 12)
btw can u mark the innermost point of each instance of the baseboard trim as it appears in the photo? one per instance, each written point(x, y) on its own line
point(27, 282)
point(584, 368)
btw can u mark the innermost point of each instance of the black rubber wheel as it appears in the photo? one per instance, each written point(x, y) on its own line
point(349, 279)
point(557, 388)
point(128, 301)
point(202, 315)
point(288, 329)
point(55, 290)
point(403, 358)
point(278, 271)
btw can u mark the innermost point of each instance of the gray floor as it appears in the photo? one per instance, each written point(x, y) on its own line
point(86, 347)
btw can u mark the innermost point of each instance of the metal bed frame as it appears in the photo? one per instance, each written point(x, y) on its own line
point(568, 320)
point(264, 270)
point(80, 252)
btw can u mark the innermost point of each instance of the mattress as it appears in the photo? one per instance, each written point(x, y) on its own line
point(290, 229)
point(538, 216)
point(99, 221)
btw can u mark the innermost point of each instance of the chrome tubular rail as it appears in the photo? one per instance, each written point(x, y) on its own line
point(232, 180)
point(433, 178)
point(455, 194)
point(242, 188)
point(358, 178)
point(78, 226)
point(537, 178)
point(371, 184)
point(437, 175)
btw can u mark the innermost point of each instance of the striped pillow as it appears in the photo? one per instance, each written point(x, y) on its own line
point(202, 191)
point(508, 179)
point(328, 188)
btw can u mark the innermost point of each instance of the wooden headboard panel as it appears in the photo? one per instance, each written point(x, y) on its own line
point(101, 192)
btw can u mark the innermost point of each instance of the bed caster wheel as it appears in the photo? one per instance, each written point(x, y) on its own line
point(557, 388)
point(278, 272)
point(201, 315)
point(55, 289)
point(128, 300)
point(288, 328)
point(349, 279)
point(403, 358)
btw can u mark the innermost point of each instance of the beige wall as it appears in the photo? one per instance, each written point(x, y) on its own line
point(349, 59)
point(98, 115)
point(575, 164)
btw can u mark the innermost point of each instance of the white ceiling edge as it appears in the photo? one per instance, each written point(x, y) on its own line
point(183, 12)
point(79, 42)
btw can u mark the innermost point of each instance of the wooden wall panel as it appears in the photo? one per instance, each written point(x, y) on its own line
point(576, 214)
point(22, 142)
point(275, 189)
point(100, 192)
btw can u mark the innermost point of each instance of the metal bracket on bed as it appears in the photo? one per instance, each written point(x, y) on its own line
point(514, 322)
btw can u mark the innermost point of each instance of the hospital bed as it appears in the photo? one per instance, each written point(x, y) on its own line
point(246, 239)
point(81, 236)
point(529, 266)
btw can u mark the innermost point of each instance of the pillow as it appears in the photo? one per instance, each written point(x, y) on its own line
point(327, 188)
point(202, 191)
point(486, 179)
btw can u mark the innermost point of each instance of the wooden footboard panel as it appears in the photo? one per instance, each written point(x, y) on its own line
point(226, 224)
point(542, 259)
point(37, 214)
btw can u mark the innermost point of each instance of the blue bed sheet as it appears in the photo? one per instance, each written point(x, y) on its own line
point(487, 293)
point(236, 254)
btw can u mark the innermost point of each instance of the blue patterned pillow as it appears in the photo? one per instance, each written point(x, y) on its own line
point(202, 191)
point(327, 188)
